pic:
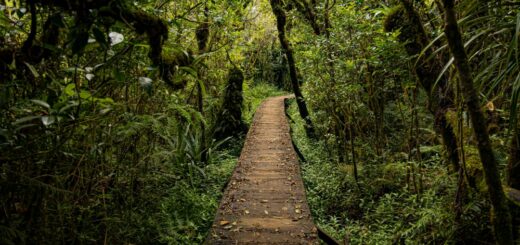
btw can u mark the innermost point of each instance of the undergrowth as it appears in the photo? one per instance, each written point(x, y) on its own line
point(189, 212)
point(141, 181)
point(394, 202)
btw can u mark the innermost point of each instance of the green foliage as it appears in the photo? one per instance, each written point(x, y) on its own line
point(395, 202)
point(129, 168)
point(254, 95)
point(94, 148)
point(186, 215)
point(374, 123)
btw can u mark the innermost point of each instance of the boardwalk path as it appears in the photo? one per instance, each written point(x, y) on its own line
point(265, 202)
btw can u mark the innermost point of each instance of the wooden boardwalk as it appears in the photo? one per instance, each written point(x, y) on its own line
point(265, 202)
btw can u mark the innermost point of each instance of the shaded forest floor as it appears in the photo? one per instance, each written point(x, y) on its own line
point(395, 199)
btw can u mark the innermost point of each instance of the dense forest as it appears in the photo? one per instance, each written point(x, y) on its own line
point(121, 121)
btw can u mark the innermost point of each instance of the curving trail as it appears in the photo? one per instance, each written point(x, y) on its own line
point(265, 202)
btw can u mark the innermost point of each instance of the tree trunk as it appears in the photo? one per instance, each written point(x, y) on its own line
point(278, 11)
point(202, 34)
point(513, 166)
point(229, 121)
point(440, 99)
point(513, 178)
point(307, 10)
point(501, 217)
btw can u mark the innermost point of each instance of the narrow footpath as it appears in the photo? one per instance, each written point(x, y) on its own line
point(265, 202)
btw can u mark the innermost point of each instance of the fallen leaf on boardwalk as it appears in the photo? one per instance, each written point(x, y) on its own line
point(228, 227)
point(264, 201)
point(297, 211)
point(242, 199)
point(234, 223)
point(266, 212)
point(298, 206)
point(246, 211)
point(224, 222)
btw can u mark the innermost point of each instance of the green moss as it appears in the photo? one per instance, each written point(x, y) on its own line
point(230, 122)
point(411, 33)
point(168, 65)
point(474, 171)
point(451, 117)
point(155, 28)
point(394, 19)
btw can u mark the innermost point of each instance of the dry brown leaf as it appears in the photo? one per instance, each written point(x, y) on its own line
point(224, 222)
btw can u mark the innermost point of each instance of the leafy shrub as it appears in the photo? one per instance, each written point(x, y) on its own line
point(396, 202)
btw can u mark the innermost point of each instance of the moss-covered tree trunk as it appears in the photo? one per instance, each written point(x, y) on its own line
point(513, 166)
point(513, 179)
point(278, 11)
point(307, 10)
point(202, 34)
point(229, 122)
point(501, 217)
point(440, 97)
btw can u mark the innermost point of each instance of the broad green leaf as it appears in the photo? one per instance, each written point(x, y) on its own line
point(25, 119)
point(32, 69)
point(85, 94)
point(48, 120)
point(73, 69)
point(189, 70)
point(68, 106)
point(105, 110)
point(202, 87)
point(106, 101)
point(70, 89)
point(41, 103)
